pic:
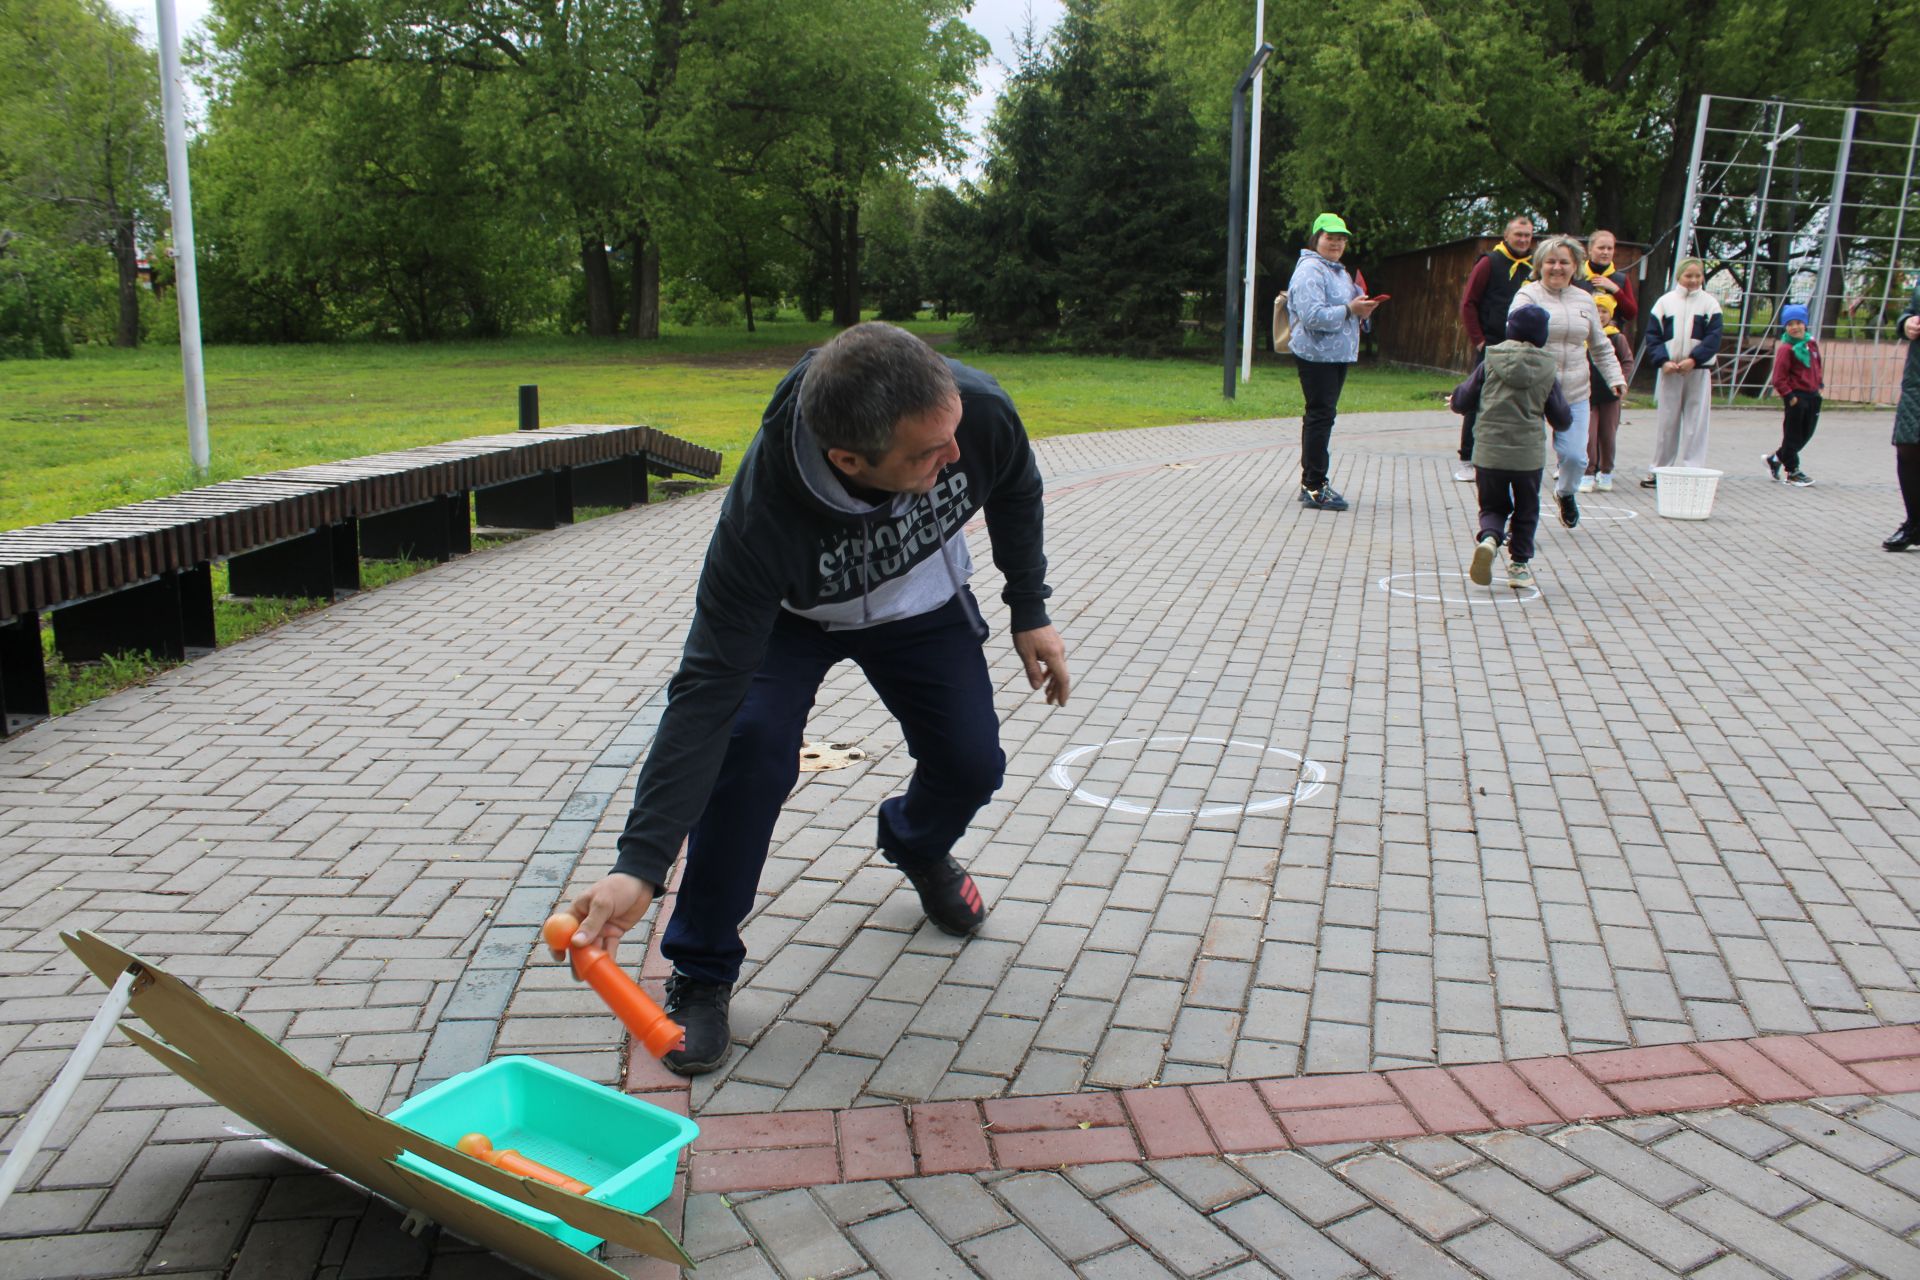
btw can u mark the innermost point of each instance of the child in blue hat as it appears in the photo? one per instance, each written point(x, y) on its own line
point(1796, 376)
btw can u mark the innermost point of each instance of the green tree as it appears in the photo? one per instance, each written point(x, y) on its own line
point(81, 154)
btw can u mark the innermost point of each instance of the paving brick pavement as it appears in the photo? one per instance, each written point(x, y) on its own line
point(1316, 808)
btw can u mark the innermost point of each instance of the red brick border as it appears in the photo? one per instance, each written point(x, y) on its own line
point(805, 1148)
point(782, 1149)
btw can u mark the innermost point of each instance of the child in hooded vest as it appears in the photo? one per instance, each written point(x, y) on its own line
point(1512, 391)
point(1796, 376)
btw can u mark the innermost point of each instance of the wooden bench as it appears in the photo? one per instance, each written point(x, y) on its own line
point(140, 577)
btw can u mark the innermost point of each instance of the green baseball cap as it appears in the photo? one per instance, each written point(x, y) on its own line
point(1331, 222)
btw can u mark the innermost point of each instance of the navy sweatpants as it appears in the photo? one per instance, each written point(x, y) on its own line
point(930, 673)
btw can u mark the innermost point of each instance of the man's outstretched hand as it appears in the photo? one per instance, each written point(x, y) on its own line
point(608, 910)
point(1044, 655)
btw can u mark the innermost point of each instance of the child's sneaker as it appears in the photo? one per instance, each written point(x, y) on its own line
point(1799, 479)
point(1519, 576)
point(1586, 484)
point(1604, 482)
point(1773, 464)
point(1480, 572)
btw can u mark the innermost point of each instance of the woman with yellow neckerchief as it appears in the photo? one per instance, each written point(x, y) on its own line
point(1612, 291)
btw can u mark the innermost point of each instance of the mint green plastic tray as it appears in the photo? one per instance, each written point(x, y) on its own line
point(624, 1148)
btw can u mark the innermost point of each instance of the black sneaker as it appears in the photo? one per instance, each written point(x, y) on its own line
point(1325, 498)
point(701, 1010)
point(1773, 464)
point(1905, 536)
point(1799, 479)
point(1569, 511)
point(1651, 482)
point(949, 896)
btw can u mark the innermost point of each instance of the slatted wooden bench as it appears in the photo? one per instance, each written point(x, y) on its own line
point(140, 577)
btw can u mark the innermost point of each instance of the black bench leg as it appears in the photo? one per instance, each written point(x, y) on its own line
point(298, 567)
point(543, 501)
point(165, 617)
point(605, 484)
point(345, 541)
point(434, 530)
point(23, 676)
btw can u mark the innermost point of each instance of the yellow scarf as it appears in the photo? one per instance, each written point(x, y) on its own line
point(1518, 263)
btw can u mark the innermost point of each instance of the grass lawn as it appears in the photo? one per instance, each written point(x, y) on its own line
point(108, 427)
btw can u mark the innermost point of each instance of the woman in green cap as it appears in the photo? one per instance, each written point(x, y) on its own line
point(1326, 309)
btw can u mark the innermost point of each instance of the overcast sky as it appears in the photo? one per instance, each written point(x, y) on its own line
point(997, 20)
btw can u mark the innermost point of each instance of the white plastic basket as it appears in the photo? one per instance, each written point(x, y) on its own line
point(1685, 493)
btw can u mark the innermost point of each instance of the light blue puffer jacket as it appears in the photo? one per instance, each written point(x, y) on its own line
point(1317, 298)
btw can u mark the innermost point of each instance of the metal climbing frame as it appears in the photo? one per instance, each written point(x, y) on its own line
point(1807, 202)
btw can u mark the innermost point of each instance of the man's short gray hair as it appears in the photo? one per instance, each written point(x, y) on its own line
point(862, 383)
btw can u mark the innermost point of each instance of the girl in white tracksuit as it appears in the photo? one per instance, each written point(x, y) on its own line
point(1683, 337)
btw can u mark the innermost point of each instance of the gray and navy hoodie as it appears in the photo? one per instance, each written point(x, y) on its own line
point(792, 537)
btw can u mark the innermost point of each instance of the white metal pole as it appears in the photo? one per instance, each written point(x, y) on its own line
point(1832, 240)
point(60, 1092)
point(1683, 243)
point(186, 280)
point(1253, 201)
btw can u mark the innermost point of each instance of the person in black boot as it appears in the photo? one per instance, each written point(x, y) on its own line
point(839, 539)
point(1906, 429)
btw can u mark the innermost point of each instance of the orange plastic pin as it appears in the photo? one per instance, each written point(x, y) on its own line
point(480, 1147)
point(649, 1024)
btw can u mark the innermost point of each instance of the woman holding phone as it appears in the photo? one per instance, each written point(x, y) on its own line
point(1327, 310)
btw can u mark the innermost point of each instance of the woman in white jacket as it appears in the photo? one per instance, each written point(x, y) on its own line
point(1575, 333)
point(1683, 337)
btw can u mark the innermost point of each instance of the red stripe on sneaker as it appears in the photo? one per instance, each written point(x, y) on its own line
point(970, 893)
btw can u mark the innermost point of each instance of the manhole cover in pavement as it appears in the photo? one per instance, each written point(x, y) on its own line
point(1178, 775)
point(818, 757)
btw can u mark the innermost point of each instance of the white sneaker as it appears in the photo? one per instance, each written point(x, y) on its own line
point(1465, 473)
point(1603, 482)
point(1586, 484)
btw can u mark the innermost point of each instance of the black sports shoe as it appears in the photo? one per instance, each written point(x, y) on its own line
point(1799, 479)
point(1569, 511)
point(1773, 464)
point(949, 895)
point(1651, 482)
point(1907, 535)
point(1325, 498)
point(701, 1010)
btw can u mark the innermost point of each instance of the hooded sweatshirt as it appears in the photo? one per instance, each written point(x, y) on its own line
point(791, 537)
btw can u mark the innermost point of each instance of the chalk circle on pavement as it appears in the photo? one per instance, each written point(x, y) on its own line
point(1410, 584)
point(1311, 774)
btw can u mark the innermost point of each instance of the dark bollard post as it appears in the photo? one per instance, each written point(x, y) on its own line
point(529, 407)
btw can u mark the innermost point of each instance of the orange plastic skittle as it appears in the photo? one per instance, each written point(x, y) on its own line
point(634, 1007)
point(480, 1147)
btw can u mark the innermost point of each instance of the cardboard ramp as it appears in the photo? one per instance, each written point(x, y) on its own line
point(244, 1071)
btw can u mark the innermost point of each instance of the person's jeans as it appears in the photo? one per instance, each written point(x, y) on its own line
point(1320, 383)
point(930, 673)
point(1570, 452)
point(1468, 419)
point(1509, 508)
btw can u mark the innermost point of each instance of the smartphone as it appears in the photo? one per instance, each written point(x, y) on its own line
point(1379, 297)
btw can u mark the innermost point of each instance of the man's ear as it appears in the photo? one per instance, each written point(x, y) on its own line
point(847, 462)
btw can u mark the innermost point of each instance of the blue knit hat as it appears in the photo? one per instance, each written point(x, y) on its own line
point(1791, 312)
point(1528, 324)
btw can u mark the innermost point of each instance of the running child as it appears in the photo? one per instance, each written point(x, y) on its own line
point(1512, 391)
